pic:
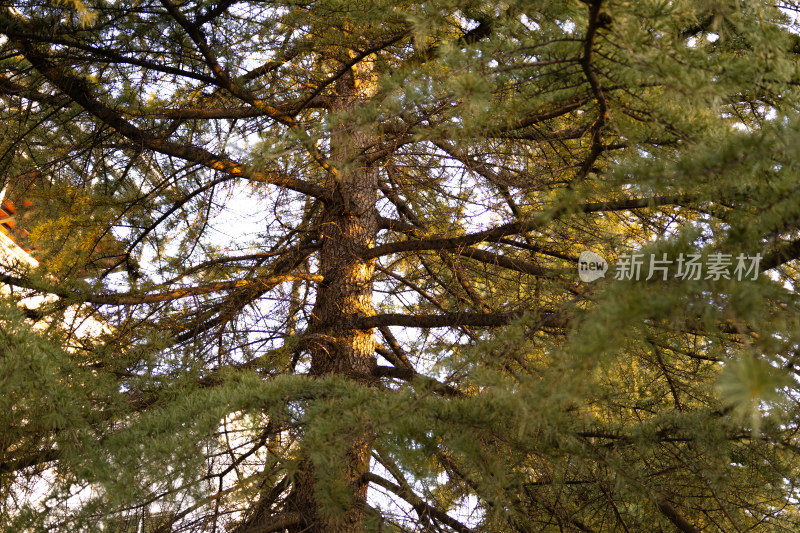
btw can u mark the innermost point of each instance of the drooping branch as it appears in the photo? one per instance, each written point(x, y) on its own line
point(491, 258)
point(419, 505)
point(79, 91)
point(396, 356)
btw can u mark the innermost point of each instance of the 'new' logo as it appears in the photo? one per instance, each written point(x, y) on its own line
point(591, 266)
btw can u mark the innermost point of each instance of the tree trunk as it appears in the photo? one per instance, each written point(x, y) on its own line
point(349, 227)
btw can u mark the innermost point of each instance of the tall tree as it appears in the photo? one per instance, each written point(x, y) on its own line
point(334, 248)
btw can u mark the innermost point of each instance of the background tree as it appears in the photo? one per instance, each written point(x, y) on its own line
point(335, 245)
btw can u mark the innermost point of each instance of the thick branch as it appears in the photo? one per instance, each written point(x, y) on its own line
point(204, 113)
point(269, 524)
point(78, 90)
point(595, 23)
point(420, 506)
point(676, 518)
point(492, 258)
point(397, 356)
point(163, 296)
point(782, 254)
point(46, 456)
point(409, 374)
point(514, 228)
point(224, 80)
point(104, 53)
point(446, 320)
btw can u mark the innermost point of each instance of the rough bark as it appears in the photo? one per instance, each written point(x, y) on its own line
point(350, 225)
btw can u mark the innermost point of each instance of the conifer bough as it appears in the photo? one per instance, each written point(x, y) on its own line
point(335, 245)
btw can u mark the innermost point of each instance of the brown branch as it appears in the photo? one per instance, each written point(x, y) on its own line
point(397, 356)
point(422, 507)
point(537, 118)
point(350, 64)
point(676, 518)
point(214, 12)
point(453, 242)
point(263, 70)
point(492, 258)
point(78, 90)
point(272, 523)
point(514, 228)
point(390, 356)
point(634, 203)
point(133, 299)
point(550, 319)
point(540, 250)
point(45, 456)
point(392, 224)
point(594, 24)
point(224, 80)
point(111, 55)
point(228, 112)
point(782, 254)
point(156, 297)
point(406, 374)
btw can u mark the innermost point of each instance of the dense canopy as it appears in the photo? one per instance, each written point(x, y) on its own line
point(330, 252)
